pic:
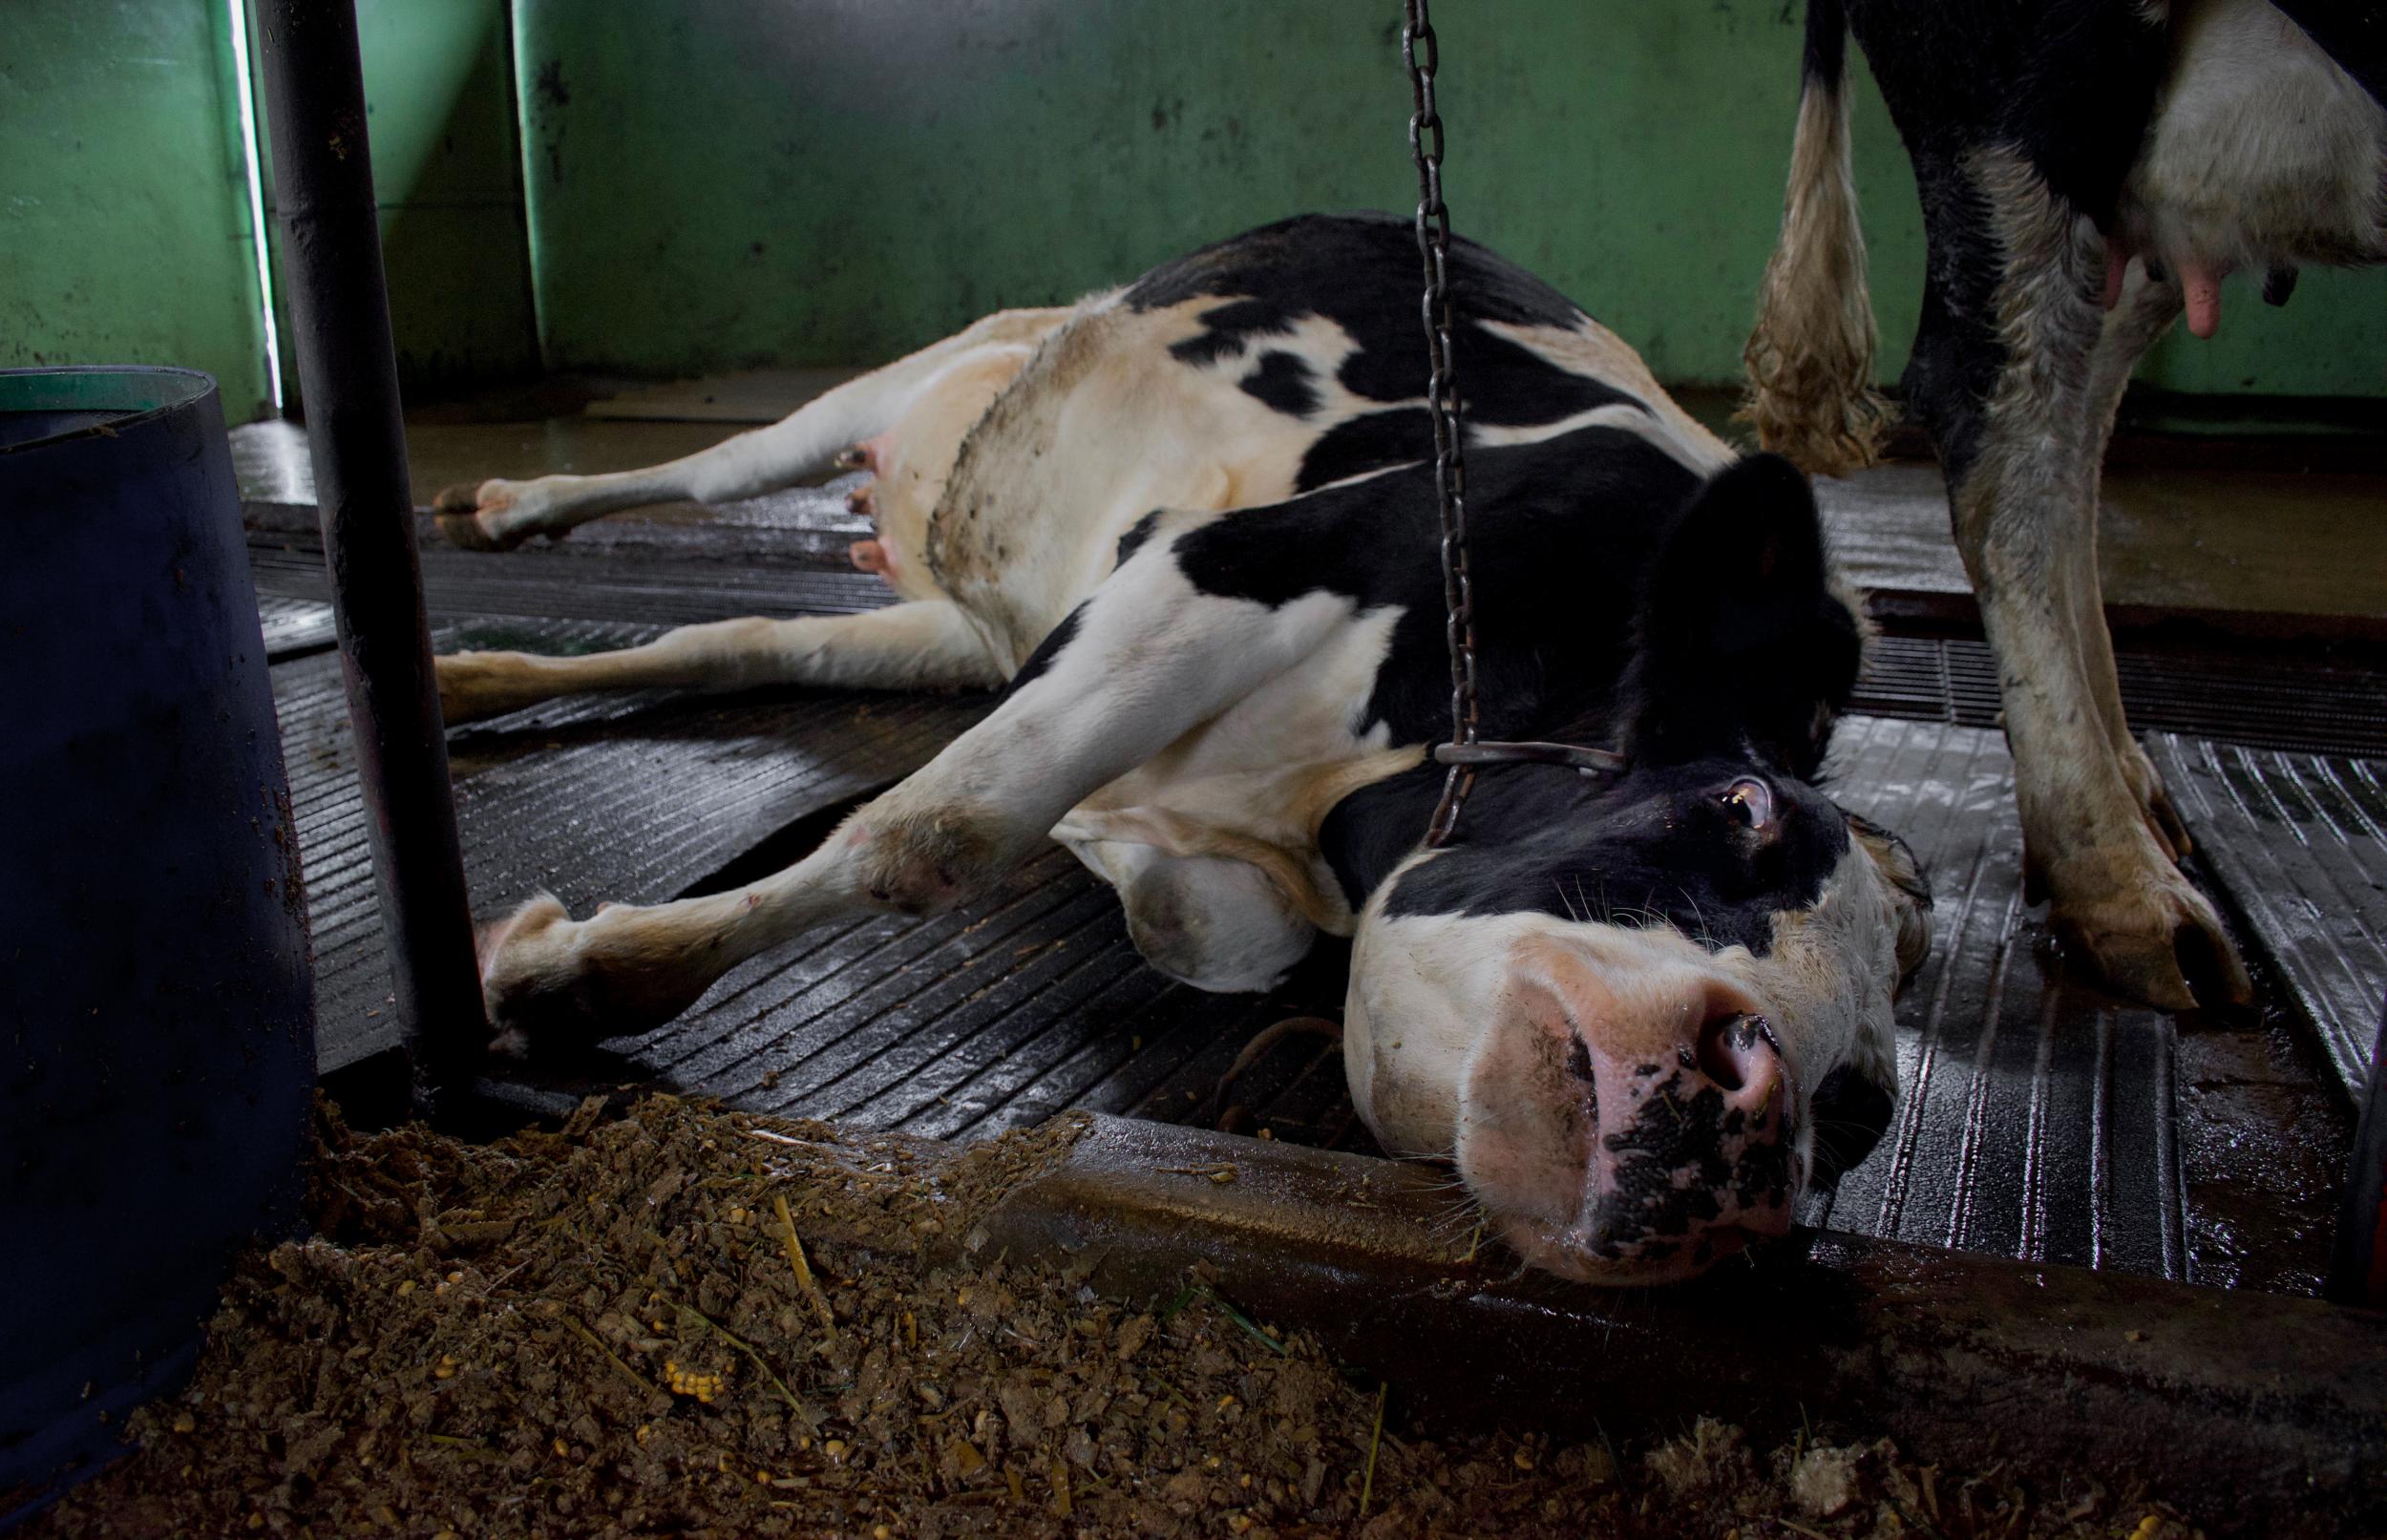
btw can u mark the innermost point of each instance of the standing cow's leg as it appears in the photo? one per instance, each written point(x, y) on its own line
point(928, 643)
point(2144, 310)
point(497, 515)
point(2003, 373)
point(1142, 661)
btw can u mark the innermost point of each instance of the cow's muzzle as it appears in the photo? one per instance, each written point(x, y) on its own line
point(1627, 1122)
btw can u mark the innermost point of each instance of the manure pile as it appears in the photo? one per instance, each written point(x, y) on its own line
point(679, 1321)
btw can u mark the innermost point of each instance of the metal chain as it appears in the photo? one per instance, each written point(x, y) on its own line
point(1420, 51)
point(1465, 751)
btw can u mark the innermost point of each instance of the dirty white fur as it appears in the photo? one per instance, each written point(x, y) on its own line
point(924, 645)
point(1010, 459)
point(1155, 661)
point(1185, 746)
point(1424, 987)
point(497, 514)
point(2263, 151)
point(2026, 523)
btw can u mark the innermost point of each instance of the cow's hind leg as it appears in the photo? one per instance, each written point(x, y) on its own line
point(500, 515)
point(924, 645)
point(2009, 379)
point(1145, 660)
point(2144, 310)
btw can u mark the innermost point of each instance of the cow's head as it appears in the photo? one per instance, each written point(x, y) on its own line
point(1639, 1013)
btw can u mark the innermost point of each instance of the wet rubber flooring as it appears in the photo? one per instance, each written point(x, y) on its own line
point(2038, 1118)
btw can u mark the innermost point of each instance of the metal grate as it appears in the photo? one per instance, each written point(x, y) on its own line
point(2256, 701)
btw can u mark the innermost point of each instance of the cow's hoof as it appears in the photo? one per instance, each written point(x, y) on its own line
point(2157, 940)
point(477, 685)
point(511, 954)
point(467, 514)
point(547, 976)
point(466, 532)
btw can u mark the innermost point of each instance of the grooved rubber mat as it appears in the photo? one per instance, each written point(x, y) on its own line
point(2036, 1118)
point(673, 591)
point(1029, 1001)
point(2299, 843)
point(674, 574)
point(633, 795)
point(2034, 1115)
point(294, 628)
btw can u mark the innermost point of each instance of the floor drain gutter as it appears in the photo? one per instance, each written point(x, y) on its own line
point(2245, 1408)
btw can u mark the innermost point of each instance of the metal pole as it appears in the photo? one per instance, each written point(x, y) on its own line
point(2357, 1271)
point(347, 370)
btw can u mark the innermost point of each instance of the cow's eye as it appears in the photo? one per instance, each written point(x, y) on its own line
point(1751, 803)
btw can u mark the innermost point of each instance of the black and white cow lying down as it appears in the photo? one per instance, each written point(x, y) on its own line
point(1184, 525)
point(2089, 170)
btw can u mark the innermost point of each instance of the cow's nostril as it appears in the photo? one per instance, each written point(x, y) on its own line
point(1579, 1059)
point(1725, 1044)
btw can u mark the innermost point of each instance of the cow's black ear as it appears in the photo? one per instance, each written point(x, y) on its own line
point(1741, 635)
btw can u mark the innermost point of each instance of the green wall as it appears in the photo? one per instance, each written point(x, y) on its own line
point(724, 182)
point(447, 174)
point(125, 233)
point(124, 225)
point(716, 183)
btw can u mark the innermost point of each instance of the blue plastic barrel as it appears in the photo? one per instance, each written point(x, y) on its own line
point(156, 1025)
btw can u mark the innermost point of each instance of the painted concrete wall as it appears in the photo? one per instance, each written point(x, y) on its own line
point(724, 182)
point(721, 183)
point(124, 216)
point(446, 175)
point(125, 226)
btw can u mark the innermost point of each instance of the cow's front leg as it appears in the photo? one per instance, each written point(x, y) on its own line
point(1142, 661)
point(925, 645)
point(2022, 452)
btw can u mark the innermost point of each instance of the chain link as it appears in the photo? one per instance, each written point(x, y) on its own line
point(1464, 750)
point(1420, 51)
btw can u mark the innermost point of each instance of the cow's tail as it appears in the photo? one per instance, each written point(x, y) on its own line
point(1810, 360)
